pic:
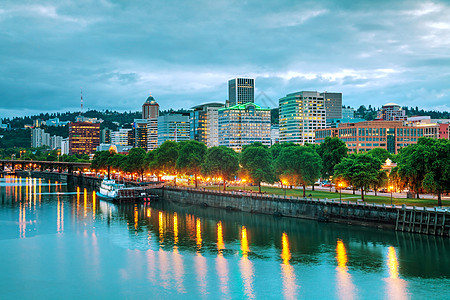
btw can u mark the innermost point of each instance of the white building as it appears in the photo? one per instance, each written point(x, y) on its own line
point(56, 141)
point(120, 137)
point(39, 138)
point(274, 134)
point(65, 146)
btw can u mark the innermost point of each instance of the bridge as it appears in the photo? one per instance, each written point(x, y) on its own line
point(43, 165)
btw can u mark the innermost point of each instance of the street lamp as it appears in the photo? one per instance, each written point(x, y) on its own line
point(340, 190)
point(391, 188)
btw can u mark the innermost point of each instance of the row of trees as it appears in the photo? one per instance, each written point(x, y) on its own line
point(292, 164)
point(424, 166)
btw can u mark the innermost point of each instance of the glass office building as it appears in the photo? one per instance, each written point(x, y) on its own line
point(244, 124)
point(300, 114)
point(241, 90)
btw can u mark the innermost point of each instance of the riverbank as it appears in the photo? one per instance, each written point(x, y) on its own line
point(401, 218)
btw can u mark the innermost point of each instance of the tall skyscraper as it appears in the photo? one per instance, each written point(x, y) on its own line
point(84, 137)
point(150, 111)
point(140, 133)
point(300, 114)
point(333, 105)
point(241, 90)
point(204, 123)
point(244, 124)
point(173, 127)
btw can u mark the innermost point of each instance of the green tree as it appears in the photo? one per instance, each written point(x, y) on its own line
point(275, 149)
point(298, 165)
point(135, 161)
point(412, 165)
point(191, 158)
point(165, 157)
point(437, 177)
point(332, 151)
point(380, 180)
point(103, 160)
point(361, 170)
point(381, 153)
point(221, 161)
point(256, 160)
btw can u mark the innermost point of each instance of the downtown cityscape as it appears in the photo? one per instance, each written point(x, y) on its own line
point(232, 150)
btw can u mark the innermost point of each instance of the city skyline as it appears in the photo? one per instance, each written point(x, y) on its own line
point(184, 54)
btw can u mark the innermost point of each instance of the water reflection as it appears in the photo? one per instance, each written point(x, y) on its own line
point(206, 252)
point(396, 288)
point(221, 262)
point(246, 266)
point(345, 287)
point(289, 285)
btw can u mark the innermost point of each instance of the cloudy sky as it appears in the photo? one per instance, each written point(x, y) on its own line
point(183, 52)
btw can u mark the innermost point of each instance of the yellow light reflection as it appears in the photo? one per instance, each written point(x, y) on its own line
point(345, 287)
point(85, 202)
point(289, 285)
point(244, 242)
point(22, 220)
point(177, 258)
point(40, 191)
point(396, 288)
point(392, 263)
point(199, 234)
point(220, 243)
point(246, 266)
point(78, 199)
point(161, 228)
point(175, 229)
point(136, 217)
point(149, 212)
point(94, 200)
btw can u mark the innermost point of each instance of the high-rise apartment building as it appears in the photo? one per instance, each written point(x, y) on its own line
point(173, 127)
point(392, 112)
point(140, 133)
point(39, 138)
point(244, 124)
point(84, 137)
point(300, 114)
point(55, 142)
point(241, 90)
point(204, 123)
point(333, 105)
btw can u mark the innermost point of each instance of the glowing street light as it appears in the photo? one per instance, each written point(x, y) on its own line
point(391, 188)
point(340, 185)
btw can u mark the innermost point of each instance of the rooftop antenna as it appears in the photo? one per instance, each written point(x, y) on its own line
point(81, 92)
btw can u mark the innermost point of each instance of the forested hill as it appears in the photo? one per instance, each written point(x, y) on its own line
point(107, 115)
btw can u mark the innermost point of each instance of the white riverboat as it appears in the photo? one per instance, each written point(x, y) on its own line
point(110, 190)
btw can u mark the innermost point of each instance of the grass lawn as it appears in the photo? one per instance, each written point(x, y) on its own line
point(333, 195)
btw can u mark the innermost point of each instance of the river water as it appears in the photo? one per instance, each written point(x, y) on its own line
point(60, 242)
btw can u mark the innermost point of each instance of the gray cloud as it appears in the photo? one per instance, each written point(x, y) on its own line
point(183, 52)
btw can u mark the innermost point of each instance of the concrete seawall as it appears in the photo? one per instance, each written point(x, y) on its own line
point(424, 220)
